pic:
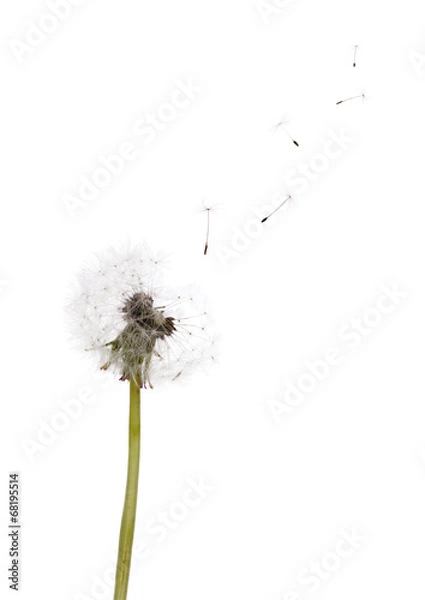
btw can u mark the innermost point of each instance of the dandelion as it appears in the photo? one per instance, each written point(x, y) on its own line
point(124, 317)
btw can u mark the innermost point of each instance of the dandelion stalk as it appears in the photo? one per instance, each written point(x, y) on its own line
point(128, 520)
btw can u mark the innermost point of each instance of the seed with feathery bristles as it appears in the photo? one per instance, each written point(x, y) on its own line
point(136, 329)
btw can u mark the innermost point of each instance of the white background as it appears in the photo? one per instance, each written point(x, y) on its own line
point(350, 455)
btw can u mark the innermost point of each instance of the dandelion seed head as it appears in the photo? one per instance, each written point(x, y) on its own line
point(124, 316)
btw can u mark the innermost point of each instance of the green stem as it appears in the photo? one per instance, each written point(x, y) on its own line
point(130, 504)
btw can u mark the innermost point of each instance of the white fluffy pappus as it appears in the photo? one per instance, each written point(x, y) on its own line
point(121, 312)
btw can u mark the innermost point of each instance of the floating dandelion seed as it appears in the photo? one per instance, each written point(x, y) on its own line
point(208, 208)
point(123, 316)
point(207, 237)
point(355, 56)
point(281, 125)
point(288, 197)
point(352, 98)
